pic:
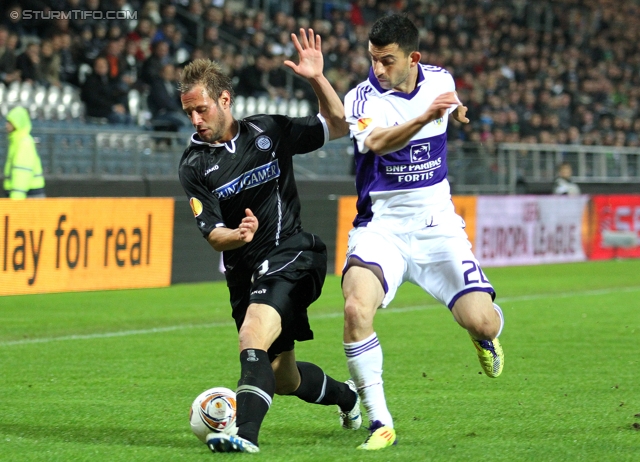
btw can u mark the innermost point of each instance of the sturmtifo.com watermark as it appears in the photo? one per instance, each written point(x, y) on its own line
point(74, 14)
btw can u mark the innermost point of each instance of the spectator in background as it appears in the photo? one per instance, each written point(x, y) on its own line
point(100, 36)
point(49, 64)
point(142, 34)
point(277, 79)
point(151, 10)
point(563, 183)
point(85, 49)
point(28, 63)
point(118, 75)
point(68, 64)
point(178, 49)
point(102, 99)
point(77, 22)
point(8, 70)
point(213, 16)
point(211, 38)
point(152, 66)
point(196, 53)
point(164, 101)
point(131, 65)
point(253, 80)
point(23, 175)
point(168, 12)
point(165, 32)
point(129, 23)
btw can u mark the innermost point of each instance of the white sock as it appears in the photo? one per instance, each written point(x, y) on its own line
point(364, 360)
point(499, 311)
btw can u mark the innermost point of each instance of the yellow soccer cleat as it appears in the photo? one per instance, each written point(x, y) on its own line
point(380, 437)
point(490, 355)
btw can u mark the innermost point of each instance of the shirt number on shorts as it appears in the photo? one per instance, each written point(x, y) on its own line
point(474, 274)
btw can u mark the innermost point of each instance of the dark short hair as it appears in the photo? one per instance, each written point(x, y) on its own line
point(207, 73)
point(396, 28)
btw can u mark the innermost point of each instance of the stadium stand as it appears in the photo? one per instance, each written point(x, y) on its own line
point(562, 74)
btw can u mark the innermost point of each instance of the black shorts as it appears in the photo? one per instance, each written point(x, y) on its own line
point(289, 280)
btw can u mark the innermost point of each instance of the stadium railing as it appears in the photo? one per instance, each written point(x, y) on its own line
point(474, 168)
point(591, 164)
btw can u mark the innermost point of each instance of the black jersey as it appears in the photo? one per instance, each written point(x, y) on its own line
point(254, 170)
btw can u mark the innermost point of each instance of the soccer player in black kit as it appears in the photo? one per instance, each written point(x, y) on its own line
point(238, 176)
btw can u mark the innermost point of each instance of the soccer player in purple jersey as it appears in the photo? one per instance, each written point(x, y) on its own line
point(406, 228)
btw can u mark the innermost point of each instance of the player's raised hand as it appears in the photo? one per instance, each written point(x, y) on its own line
point(248, 226)
point(309, 48)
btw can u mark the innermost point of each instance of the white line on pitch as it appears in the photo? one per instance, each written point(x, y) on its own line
point(156, 330)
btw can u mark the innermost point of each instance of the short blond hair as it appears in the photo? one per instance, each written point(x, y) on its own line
point(207, 73)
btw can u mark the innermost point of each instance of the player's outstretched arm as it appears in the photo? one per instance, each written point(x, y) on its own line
point(310, 66)
point(389, 139)
point(229, 239)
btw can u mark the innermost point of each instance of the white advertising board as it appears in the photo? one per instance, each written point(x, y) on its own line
point(527, 230)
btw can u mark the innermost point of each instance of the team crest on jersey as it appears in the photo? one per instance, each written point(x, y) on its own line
point(420, 152)
point(363, 123)
point(196, 206)
point(263, 143)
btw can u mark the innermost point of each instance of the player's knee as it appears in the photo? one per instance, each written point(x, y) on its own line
point(355, 311)
point(287, 380)
point(483, 325)
point(286, 387)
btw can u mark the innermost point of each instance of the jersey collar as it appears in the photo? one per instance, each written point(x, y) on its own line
point(374, 81)
point(229, 145)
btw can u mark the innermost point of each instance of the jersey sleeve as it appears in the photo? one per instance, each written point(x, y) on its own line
point(205, 207)
point(363, 114)
point(301, 135)
point(448, 84)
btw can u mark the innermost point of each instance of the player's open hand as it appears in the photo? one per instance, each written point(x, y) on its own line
point(248, 226)
point(309, 48)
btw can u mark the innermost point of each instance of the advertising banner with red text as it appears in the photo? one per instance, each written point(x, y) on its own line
point(76, 244)
point(527, 230)
point(617, 213)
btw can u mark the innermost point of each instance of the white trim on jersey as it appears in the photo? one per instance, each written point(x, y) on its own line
point(255, 127)
point(325, 128)
point(230, 146)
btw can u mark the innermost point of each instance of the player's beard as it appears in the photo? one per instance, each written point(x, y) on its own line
point(217, 129)
point(398, 81)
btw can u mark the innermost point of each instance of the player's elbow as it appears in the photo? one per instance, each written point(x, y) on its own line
point(214, 242)
point(338, 128)
point(377, 146)
point(216, 246)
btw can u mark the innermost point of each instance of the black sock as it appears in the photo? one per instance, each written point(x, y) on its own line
point(256, 388)
point(317, 387)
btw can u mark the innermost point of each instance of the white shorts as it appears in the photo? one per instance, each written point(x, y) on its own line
point(437, 258)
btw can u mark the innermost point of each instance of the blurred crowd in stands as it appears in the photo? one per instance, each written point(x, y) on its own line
point(563, 71)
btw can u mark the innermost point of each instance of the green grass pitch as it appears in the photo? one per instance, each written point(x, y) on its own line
point(110, 376)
